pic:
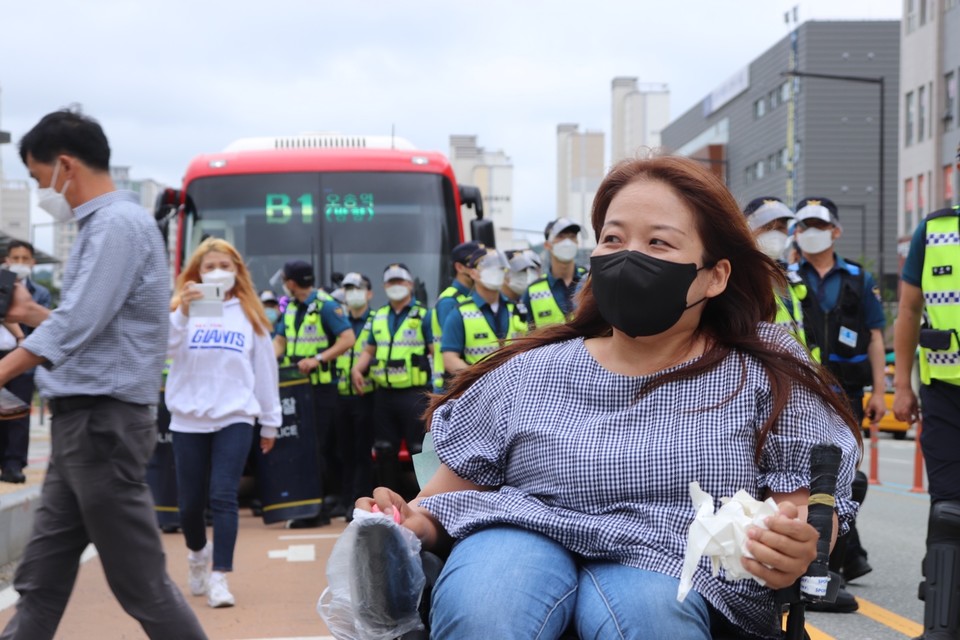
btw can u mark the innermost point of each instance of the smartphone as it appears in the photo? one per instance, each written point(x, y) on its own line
point(211, 304)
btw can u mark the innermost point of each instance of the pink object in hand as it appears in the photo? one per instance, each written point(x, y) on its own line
point(396, 513)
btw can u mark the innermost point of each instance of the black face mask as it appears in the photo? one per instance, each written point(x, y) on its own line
point(639, 294)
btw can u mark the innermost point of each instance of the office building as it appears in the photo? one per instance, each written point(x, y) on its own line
point(768, 133)
point(929, 117)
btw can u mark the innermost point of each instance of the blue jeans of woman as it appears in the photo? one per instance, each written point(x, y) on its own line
point(506, 582)
point(218, 457)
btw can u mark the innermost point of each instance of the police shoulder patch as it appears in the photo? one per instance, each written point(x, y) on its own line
point(876, 293)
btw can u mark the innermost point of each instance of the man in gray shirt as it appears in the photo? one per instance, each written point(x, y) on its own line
point(100, 355)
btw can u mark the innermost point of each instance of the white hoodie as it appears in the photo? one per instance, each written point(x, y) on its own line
point(222, 373)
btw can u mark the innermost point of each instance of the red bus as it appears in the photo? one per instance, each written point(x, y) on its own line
point(343, 203)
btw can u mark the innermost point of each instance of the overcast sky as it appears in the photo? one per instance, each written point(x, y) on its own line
point(173, 78)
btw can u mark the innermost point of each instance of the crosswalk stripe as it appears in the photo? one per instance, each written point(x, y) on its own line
point(889, 618)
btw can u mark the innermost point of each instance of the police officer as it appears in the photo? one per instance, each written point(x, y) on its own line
point(550, 299)
point(524, 271)
point(314, 333)
point(483, 323)
point(930, 282)
point(354, 417)
point(397, 354)
point(458, 291)
point(769, 219)
point(843, 323)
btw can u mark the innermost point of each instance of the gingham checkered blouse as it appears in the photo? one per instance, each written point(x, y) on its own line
point(576, 456)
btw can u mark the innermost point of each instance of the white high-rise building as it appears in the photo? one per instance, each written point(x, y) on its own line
point(639, 112)
point(580, 168)
point(492, 173)
point(14, 202)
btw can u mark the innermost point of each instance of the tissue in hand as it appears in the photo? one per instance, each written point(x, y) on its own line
point(722, 535)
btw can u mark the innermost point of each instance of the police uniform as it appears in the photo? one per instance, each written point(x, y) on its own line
point(354, 417)
point(933, 265)
point(310, 327)
point(473, 330)
point(840, 310)
point(401, 371)
point(549, 300)
point(790, 309)
point(447, 301)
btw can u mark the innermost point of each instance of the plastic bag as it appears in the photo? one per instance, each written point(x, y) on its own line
point(375, 580)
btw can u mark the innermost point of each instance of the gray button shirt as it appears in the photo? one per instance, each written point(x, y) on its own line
point(109, 334)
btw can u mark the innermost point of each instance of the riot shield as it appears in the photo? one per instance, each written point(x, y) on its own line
point(288, 477)
point(162, 472)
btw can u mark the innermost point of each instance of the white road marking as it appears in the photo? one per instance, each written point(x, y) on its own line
point(311, 536)
point(295, 553)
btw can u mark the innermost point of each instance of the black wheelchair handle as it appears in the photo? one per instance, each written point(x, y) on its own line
point(824, 467)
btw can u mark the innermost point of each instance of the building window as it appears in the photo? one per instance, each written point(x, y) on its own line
point(921, 113)
point(774, 99)
point(759, 108)
point(908, 123)
point(948, 185)
point(921, 197)
point(760, 169)
point(784, 157)
point(911, 20)
point(785, 92)
point(950, 104)
point(908, 202)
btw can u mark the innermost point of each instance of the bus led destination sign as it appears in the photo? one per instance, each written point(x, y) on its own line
point(348, 207)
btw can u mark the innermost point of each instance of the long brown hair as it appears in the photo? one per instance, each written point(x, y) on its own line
point(729, 320)
point(243, 288)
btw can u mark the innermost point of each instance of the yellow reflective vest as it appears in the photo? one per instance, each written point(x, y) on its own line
point(480, 339)
point(544, 309)
point(791, 318)
point(310, 339)
point(401, 360)
point(347, 359)
point(940, 282)
point(438, 369)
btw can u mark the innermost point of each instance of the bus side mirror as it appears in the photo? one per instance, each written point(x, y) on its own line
point(471, 197)
point(482, 231)
point(167, 202)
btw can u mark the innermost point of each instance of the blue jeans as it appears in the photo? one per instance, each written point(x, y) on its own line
point(219, 456)
point(505, 582)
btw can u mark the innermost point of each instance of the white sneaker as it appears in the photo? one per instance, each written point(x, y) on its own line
point(199, 564)
point(218, 593)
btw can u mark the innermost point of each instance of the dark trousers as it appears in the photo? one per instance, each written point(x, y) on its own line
point(15, 434)
point(215, 459)
point(849, 543)
point(95, 491)
point(940, 439)
point(397, 416)
point(325, 408)
point(354, 427)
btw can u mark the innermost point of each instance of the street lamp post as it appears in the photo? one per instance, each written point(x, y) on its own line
point(879, 81)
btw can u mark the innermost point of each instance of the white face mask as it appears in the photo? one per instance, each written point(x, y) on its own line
point(22, 270)
point(815, 240)
point(520, 281)
point(492, 278)
point(772, 243)
point(53, 202)
point(355, 298)
point(397, 292)
point(224, 278)
point(565, 250)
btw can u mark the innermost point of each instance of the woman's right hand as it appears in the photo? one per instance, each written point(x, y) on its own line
point(188, 293)
point(413, 518)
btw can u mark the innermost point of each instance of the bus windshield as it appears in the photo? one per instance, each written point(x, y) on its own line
point(339, 221)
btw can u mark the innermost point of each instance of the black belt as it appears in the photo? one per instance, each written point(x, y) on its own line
point(66, 404)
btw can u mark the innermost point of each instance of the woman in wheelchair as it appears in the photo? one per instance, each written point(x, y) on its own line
point(563, 497)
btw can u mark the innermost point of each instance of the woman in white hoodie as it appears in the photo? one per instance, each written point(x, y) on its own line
point(222, 379)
